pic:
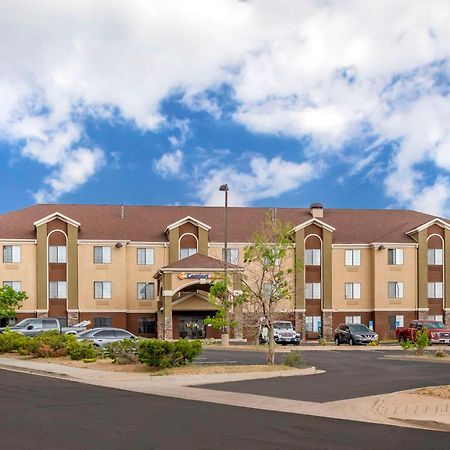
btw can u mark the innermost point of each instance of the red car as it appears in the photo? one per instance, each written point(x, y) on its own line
point(438, 333)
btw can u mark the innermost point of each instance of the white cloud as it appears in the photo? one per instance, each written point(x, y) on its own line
point(263, 179)
point(337, 72)
point(170, 164)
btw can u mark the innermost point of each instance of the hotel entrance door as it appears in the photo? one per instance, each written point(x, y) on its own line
point(192, 328)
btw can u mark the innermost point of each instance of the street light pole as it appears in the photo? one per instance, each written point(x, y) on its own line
point(224, 188)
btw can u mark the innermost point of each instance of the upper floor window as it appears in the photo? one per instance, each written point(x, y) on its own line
point(352, 257)
point(232, 256)
point(312, 257)
point(395, 289)
point(352, 290)
point(435, 290)
point(312, 290)
point(145, 291)
point(16, 285)
point(102, 289)
point(185, 252)
point(57, 289)
point(395, 256)
point(11, 253)
point(102, 255)
point(145, 256)
point(57, 254)
point(435, 257)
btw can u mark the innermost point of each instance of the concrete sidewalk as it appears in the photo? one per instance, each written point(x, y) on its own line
point(366, 409)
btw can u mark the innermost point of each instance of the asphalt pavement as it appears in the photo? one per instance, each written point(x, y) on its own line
point(47, 413)
point(349, 374)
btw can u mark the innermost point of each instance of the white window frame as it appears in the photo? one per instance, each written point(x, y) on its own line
point(312, 257)
point(436, 318)
point(349, 320)
point(105, 287)
point(190, 251)
point(60, 251)
point(145, 256)
point(15, 255)
point(352, 257)
point(313, 324)
point(16, 285)
point(142, 287)
point(60, 287)
point(233, 256)
point(435, 257)
point(399, 289)
point(397, 256)
point(105, 254)
point(312, 291)
point(435, 289)
point(352, 291)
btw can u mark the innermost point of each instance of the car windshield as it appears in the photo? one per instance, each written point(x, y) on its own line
point(23, 323)
point(283, 326)
point(433, 325)
point(358, 328)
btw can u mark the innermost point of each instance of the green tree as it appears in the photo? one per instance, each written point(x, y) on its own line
point(10, 301)
point(268, 280)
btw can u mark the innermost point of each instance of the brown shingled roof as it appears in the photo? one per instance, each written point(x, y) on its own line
point(199, 261)
point(147, 223)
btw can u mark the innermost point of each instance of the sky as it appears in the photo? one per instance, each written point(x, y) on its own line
point(289, 102)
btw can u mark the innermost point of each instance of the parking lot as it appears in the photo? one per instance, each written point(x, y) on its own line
point(348, 374)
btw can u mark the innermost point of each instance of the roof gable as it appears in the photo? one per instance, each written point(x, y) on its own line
point(56, 215)
point(200, 262)
point(314, 221)
point(436, 221)
point(191, 219)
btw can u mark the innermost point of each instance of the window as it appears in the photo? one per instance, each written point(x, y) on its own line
point(102, 289)
point(57, 289)
point(395, 256)
point(313, 324)
point(436, 318)
point(312, 290)
point(232, 256)
point(396, 322)
point(102, 255)
point(274, 259)
point(395, 289)
point(145, 291)
point(352, 257)
point(352, 290)
point(435, 290)
point(435, 257)
point(49, 324)
point(16, 285)
point(57, 254)
point(269, 290)
point(146, 325)
point(145, 256)
point(312, 257)
point(11, 253)
point(100, 322)
point(352, 319)
point(185, 252)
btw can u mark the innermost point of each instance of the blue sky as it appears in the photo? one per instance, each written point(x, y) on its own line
point(342, 103)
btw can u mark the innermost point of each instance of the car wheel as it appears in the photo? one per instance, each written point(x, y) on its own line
point(351, 342)
point(401, 338)
point(337, 341)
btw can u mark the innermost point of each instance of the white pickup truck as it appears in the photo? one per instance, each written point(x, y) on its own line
point(34, 326)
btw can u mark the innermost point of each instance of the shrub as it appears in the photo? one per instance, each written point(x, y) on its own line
point(440, 353)
point(294, 359)
point(158, 353)
point(123, 352)
point(10, 341)
point(406, 345)
point(46, 345)
point(422, 341)
point(373, 344)
point(322, 342)
point(81, 349)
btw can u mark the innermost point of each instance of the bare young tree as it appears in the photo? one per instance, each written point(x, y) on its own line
point(269, 277)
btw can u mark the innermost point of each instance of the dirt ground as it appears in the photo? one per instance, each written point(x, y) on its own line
point(437, 391)
point(191, 369)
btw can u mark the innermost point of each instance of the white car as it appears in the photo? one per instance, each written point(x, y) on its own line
point(101, 337)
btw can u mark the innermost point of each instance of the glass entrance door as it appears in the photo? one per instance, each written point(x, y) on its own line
point(192, 328)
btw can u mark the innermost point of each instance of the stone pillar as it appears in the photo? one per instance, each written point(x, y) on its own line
point(73, 318)
point(299, 323)
point(447, 317)
point(423, 314)
point(327, 325)
point(167, 320)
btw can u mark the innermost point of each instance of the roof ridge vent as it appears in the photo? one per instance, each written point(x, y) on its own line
point(316, 210)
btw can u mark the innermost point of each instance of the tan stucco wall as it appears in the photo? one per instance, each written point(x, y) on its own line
point(25, 271)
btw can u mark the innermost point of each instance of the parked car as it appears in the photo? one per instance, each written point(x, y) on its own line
point(283, 331)
point(34, 326)
point(101, 337)
point(354, 333)
point(438, 333)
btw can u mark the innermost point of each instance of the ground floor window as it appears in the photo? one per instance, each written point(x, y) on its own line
point(147, 325)
point(352, 319)
point(396, 322)
point(100, 322)
point(313, 324)
point(436, 318)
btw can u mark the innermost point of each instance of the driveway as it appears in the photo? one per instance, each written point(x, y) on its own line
point(348, 375)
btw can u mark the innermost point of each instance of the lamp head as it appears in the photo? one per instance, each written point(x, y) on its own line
point(224, 188)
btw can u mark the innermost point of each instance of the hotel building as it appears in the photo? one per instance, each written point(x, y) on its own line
point(148, 268)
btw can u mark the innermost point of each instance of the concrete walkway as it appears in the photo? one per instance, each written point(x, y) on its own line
point(366, 409)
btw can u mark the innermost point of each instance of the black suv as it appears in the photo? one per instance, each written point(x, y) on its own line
point(354, 333)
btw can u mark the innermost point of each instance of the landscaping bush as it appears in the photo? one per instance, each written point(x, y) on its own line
point(373, 344)
point(406, 345)
point(10, 341)
point(82, 349)
point(123, 352)
point(158, 353)
point(46, 345)
point(422, 341)
point(294, 359)
point(440, 353)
